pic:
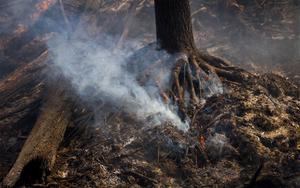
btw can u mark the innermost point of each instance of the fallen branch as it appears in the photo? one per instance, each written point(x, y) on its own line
point(140, 176)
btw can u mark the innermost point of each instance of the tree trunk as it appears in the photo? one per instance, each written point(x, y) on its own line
point(39, 151)
point(193, 72)
point(173, 25)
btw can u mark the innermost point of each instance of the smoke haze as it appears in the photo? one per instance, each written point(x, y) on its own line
point(98, 73)
point(98, 70)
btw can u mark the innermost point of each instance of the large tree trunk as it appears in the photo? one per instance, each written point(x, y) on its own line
point(194, 73)
point(173, 25)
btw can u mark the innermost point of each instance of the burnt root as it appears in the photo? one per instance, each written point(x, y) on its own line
point(192, 75)
point(197, 76)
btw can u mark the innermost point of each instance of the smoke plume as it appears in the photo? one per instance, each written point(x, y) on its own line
point(97, 72)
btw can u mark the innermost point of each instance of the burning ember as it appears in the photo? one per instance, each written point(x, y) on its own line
point(201, 140)
point(41, 8)
point(20, 29)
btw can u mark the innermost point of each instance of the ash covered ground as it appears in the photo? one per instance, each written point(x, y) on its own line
point(247, 136)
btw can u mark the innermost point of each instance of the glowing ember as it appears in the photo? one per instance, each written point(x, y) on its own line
point(41, 8)
point(44, 5)
point(20, 29)
point(201, 140)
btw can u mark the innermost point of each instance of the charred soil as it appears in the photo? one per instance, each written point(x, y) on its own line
point(246, 136)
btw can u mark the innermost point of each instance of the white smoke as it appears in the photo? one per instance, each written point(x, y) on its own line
point(96, 72)
point(218, 146)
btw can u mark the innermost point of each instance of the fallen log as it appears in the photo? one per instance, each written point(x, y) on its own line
point(20, 90)
point(39, 151)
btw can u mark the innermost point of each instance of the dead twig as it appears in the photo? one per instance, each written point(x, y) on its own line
point(140, 175)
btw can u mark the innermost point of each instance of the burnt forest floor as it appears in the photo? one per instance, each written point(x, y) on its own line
point(248, 136)
point(233, 137)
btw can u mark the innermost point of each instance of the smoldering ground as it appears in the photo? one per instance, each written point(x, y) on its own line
point(102, 70)
point(96, 72)
point(99, 71)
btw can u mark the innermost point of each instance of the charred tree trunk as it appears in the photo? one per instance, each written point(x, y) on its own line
point(21, 95)
point(39, 151)
point(193, 72)
point(173, 25)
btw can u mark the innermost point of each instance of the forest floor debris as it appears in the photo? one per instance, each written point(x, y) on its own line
point(249, 135)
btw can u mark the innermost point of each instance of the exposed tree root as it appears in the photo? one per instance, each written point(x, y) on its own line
point(194, 75)
point(39, 150)
point(199, 75)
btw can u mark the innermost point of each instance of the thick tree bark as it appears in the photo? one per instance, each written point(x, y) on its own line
point(173, 25)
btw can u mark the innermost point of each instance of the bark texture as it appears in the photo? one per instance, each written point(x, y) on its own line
point(39, 150)
point(173, 25)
